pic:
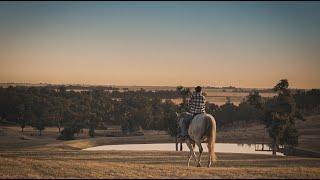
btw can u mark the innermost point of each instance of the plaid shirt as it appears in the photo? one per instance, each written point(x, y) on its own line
point(197, 103)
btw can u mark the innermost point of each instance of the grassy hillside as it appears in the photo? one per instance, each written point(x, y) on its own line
point(12, 138)
point(25, 155)
point(152, 164)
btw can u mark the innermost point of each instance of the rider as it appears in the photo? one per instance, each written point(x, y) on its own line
point(196, 106)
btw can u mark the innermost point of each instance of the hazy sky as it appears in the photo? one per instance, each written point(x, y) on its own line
point(244, 44)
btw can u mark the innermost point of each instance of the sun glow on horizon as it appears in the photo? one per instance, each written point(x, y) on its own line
point(161, 44)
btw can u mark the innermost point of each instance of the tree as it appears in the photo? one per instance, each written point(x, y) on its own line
point(21, 116)
point(226, 114)
point(39, 123)
point(254, 99)
point(60, 107)
point(129, 123)
point(92, 123)
point(308, 101)
point(71, 126)
point(40, 114)
point(212, 108)
point(170, 118)
point(282, 86)
point(248, 113)
point(280, 115)
point(185, 93)
point(28, 112)
point(157, 114)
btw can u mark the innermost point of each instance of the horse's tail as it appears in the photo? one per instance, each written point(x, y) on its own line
point(212, 138)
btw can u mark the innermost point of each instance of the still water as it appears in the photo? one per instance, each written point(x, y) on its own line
point(220, 148)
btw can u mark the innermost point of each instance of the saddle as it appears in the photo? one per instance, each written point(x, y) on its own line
point(188, 123)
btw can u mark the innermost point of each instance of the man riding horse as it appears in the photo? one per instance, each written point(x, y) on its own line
point(196, 106)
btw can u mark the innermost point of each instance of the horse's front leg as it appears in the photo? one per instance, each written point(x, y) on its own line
point(200, 152)
point(190, 155)
point(190, 146)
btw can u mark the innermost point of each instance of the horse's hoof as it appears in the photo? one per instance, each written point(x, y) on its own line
point(199, 165)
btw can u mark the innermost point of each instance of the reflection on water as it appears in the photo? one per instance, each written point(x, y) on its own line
point(220, 147)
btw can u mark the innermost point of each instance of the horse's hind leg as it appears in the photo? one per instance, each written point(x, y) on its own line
point(200, 152)
point(212, 155)
point(191, 151)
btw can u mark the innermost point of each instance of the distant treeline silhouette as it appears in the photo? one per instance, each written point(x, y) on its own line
point(44, 106)
point(72, 111)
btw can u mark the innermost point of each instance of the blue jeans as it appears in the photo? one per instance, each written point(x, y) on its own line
point(184, 124)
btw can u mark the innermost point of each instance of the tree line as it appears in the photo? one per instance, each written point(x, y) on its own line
point(72, 111)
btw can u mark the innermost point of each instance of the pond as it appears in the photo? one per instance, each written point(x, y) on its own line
point(220, 148)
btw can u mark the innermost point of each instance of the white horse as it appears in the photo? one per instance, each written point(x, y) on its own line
point(202, 128)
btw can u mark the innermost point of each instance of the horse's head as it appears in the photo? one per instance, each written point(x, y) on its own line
point(181, 116)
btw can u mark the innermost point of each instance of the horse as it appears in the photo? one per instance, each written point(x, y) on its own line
point(202, 128)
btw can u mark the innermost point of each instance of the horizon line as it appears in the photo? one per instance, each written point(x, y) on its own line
point(114, 85)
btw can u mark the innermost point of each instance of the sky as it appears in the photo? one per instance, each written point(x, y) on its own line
point(242, 44)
